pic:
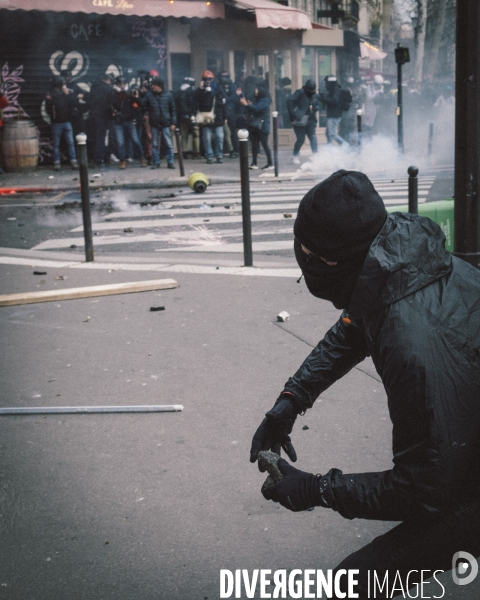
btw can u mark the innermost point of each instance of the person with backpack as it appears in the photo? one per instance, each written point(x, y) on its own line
point(303, 107)
point(209, 112)
point(337, 100)
point(61, 106)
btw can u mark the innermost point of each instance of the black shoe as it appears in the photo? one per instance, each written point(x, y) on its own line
point(233, 154)
point(209, 161)
point(155, 166)
point(253, 167)
point(170, 166)
point(219, 160)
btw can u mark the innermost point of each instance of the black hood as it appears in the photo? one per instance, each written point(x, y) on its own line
point(407, 255)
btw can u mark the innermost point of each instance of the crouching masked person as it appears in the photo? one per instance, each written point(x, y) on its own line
point(415, 309)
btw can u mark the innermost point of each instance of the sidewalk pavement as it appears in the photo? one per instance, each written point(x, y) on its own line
point(152, 506)
point(44, 178)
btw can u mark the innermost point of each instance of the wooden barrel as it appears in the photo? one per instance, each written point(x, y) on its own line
point(19, 146)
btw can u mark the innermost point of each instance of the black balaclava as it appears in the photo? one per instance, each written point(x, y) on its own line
point(337, 220)
point(310, 88)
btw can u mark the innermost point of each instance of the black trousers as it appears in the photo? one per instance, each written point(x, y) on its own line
point(257, 137)
point(301, 133)
point(399, 556)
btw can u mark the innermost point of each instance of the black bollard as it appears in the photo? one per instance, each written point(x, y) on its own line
point(430, 139)
point(245, 182)
point(275, 141)
point(178, 139)
point(85, 193)
point(359, 129)
point(413, 190)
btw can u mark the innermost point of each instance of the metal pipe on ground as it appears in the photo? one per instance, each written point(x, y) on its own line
point(51, 410)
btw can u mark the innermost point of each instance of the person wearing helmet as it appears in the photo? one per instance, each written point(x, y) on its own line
point(336, 102)
point(414, 308)
point(209, 111)
point(62, 106)
point(303, 106)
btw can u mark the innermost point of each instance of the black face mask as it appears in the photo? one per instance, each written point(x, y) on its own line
point(329, 282)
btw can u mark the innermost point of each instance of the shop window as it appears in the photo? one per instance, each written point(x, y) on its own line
point(283, 85)
point(308, 64)
point(324, 59)
point(181, 67)
point(215, 62)
point(261, 65)
point(239, 65)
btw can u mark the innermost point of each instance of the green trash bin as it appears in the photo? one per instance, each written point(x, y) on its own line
point(440, 211)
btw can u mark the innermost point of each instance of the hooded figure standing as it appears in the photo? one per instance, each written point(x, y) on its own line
point(415, 309)
point(336, 100)
point(303, 107)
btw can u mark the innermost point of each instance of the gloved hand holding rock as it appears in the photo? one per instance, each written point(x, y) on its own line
point(297, 490)
point(274, 430)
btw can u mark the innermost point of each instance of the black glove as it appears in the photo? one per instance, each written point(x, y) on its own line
point(297, 490)
point(274, 430)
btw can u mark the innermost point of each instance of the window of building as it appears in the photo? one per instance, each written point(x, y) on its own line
point(215, 61)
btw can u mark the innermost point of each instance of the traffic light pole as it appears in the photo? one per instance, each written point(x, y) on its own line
point(467, 133)
point(402, 56)
point(400, 108)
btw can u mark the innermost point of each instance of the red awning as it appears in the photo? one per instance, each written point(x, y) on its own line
point(278, 16)
point(152, 8)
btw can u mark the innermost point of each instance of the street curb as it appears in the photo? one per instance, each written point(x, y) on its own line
point(179, 182)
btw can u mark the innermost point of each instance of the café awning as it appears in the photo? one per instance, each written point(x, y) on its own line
point(153, 8)
point(272, 14)
point(370, 51)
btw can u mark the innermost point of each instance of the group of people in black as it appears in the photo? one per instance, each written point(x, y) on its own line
point(127, 122)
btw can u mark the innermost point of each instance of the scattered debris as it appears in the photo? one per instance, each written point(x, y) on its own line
point(128, 230)
point(155, 308)
point(11, 218)
point(97, 175)
point(305, 427)
point(73, 245)
point(283, 316)
point(59, 277)
point(287, 215)
point(51, 177)
point(39, 272)
point(86, 320)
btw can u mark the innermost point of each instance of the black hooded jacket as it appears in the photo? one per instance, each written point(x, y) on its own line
point(416, 311)
point(300, 103)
